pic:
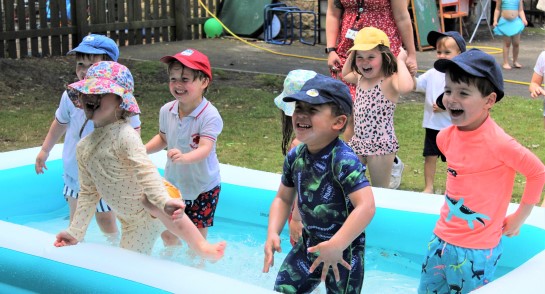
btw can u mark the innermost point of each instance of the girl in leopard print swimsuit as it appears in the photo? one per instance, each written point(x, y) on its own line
point(380, 79)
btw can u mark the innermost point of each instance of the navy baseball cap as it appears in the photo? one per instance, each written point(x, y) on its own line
point(323, 89)
point(96, 45)
point(433, 36)
point(476, 63)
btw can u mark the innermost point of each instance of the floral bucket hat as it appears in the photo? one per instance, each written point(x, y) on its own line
point(292, 84)
point(109, 77)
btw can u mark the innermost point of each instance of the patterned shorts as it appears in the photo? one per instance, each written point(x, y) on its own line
point(102, 206)
point(453, 268)
point(201, 210)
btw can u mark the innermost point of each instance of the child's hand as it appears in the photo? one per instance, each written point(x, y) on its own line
point(511, 226)
point(537, 91)
point(331, 256)
point(437, 108)
point(175, 208)
point(40, 161)
point(65, 239)
point(402, 56)
point(175, 155)
point(271, 245)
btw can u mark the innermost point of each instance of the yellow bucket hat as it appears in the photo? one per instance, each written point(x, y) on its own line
point(369, 38)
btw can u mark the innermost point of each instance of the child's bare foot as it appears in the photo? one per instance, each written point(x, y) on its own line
point(506, 66)
point(429, 191)
point(517, 65)
point(213, 252)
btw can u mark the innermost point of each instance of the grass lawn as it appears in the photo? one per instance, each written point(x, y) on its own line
point(30, 90)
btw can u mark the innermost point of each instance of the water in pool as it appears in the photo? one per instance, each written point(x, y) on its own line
point(386, 271)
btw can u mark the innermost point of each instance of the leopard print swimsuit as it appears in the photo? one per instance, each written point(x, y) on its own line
point(373, 123)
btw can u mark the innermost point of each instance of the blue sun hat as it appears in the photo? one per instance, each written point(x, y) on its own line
point(96, 45)
point(292, 84)
point(109, 77)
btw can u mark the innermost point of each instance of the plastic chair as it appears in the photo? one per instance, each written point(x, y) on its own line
point(451, 14)
point(288, 16)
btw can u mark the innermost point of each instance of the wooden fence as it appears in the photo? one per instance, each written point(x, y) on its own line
point(54, 27)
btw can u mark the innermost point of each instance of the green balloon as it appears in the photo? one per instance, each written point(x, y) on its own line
point(212, 28)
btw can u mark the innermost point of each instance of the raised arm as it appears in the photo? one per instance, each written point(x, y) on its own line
point(404, 25)
point(349, 75)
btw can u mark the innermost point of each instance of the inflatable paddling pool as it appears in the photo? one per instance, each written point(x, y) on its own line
point(30, 263)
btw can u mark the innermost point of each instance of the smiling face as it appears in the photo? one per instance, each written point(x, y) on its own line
point(369, 63)
point(447, 48)
point(316, 125)
point(102, 109)
point(467, 106)
point(83, 62)
point(185, 87)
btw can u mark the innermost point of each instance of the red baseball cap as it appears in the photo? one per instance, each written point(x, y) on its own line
point(192, 59)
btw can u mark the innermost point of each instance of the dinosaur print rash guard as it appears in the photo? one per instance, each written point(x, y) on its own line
point(480, 177)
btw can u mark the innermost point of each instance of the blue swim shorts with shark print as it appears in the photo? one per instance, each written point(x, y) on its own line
point(453, 269)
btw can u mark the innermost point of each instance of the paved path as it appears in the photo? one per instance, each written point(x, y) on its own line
point(232, 54)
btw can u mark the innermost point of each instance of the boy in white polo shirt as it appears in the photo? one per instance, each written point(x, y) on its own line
point(189, 127)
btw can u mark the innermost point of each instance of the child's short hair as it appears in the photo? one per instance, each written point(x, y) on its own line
point(325, 90)
point(97, 45)
point(192, 59)
point(369, 38)
point(473, 67)
point(434, 37)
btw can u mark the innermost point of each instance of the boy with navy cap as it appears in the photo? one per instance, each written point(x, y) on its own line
point(334, 198)
point(432, 83)
point(71, 122)
point(482, 162)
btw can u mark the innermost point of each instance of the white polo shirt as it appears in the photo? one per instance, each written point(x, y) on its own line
point(204, 123)
point(73, 117)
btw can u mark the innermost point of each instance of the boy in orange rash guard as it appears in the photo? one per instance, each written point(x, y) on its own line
point(482, 162)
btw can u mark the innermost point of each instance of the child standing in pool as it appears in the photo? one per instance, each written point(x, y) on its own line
point(70, 121)
point(113, 164)
point(189, 127)
point(381, 79)
point(466, 245)
point(334, 198)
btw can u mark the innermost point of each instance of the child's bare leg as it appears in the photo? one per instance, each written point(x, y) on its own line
point(107, 222)
point(506, 46)
point(380, 169)
point(203, 231)
point(170, 239)
point(429, 173)
point(516, 46)
point(185, 229)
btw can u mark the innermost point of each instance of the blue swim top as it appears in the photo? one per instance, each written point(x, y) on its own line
point(510, 4)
